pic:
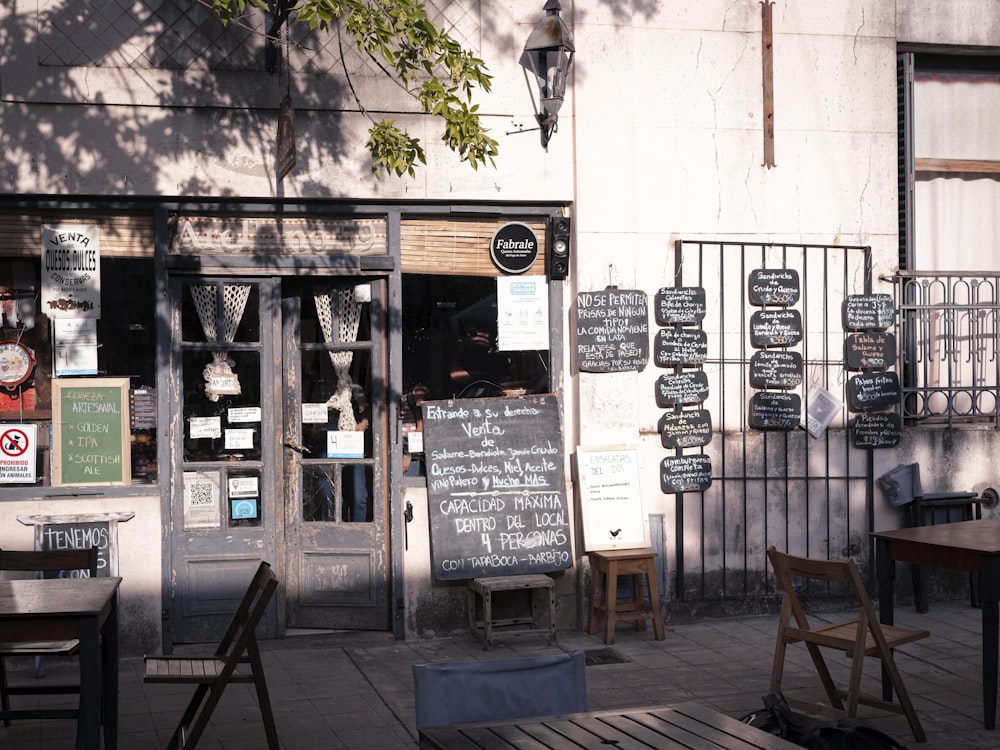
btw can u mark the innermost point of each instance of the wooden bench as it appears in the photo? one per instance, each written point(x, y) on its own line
point(491, 626)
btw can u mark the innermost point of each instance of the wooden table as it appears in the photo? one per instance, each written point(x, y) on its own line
point(63, 609)
point(683, 725)
point(967, 546)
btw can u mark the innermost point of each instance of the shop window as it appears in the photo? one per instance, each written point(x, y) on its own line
point(124, 347)
point(452, 350)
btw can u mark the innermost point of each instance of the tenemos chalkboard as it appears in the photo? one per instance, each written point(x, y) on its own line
point(90, 431)
point(496, 487)
point(81, 532)
point(870, 351)
point(680, 304)
point(612, 330)
point(877, 430)
point(773, 286)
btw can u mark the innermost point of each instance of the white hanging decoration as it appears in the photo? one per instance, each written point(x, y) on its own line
point(342, 306)
point(220, 380)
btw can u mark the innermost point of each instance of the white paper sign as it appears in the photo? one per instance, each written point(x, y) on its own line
point(75, 342)
point(610, 498)
point(71, 271)
point(204, 427)
point(522, 313)
point(244, 414)
point(243, 487)
point(201, 500)
point(239, 439)
point(344, 444)
point(315, 413)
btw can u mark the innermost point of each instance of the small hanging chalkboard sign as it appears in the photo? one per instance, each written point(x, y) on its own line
point(685, 473)
point(680, 389)
point(773, 286)
point(877, 430)
point(775, 411)
point(775, 328)
point(686, 429)
point(680, 304)
point(873, 392)
point(680, 347)
point(870, 351)
point(774, 368)
point(612, 330)
point(868, 312)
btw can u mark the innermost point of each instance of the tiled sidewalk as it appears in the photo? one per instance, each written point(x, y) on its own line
point(355, 691)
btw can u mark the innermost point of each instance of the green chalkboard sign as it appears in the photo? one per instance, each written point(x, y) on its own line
point(90, 431)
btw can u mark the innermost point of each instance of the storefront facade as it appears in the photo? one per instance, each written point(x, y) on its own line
point(271, 341)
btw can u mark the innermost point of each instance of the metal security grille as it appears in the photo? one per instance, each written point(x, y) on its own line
point(808, 495)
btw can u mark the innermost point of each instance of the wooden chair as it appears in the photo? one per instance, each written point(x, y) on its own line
point(237, 659)
point(858, 637)
point(41, 562)
point(497, 689)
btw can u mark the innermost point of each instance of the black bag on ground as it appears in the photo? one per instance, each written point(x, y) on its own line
point(815, 734)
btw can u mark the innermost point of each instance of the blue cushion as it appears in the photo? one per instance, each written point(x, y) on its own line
point(498, 689)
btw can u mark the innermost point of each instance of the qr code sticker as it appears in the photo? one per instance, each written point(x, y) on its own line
point(201, 493)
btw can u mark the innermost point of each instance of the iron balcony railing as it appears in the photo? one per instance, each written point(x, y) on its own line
point(948, 335)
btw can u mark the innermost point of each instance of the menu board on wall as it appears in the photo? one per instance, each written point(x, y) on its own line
point(868, 312)
point(877, 430)
point(680, 305)
point(90, 431)
point(685, 473)
point(496, 487)
point(612, 330)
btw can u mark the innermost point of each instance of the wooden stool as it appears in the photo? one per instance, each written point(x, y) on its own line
point(513, 626)
point(620, 562)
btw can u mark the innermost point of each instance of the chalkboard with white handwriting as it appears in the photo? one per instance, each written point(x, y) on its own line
point(496, 487)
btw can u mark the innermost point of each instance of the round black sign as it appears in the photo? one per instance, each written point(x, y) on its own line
point(514, 247)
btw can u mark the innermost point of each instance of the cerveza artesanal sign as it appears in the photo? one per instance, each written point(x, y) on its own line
point(261, 235)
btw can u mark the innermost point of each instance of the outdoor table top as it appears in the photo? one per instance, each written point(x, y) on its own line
point(677, 725)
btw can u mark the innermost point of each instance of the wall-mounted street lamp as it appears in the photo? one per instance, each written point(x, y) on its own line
point(548, 55)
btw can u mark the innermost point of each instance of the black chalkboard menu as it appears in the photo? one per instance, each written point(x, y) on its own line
point(682, 388)
point(685, 473)
point(775, 368)
point(612, 330)
point(496, 487)
point(775, 410)
point(686, 429)
point(868, 312)
point(775, 328)
point(680, 347)
point(680, 305)
point(773, 286)
point(870, 351)
point(877, 430)
point(872, 392)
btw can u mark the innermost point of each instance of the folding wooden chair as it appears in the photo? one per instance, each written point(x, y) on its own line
point(237, 659)
point(858, 637)
point(41, 562)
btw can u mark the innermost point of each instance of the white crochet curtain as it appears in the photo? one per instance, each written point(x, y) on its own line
point(234, 302)
point(338, 306)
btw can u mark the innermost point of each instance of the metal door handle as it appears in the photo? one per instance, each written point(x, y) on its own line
point(289, 443)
